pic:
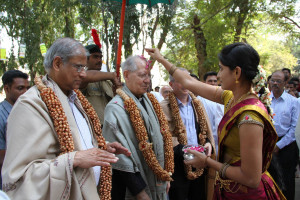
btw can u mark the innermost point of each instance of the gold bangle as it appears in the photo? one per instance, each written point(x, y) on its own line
point(217, 88)
point(223, 176)
point(221, 169)
point(172, 69)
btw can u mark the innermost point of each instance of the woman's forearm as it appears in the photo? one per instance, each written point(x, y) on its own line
point(235, 173)
point(210, 92)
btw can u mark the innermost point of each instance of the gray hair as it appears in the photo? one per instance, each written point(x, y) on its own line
point(64, 48)
point(130, 64)
point(180, 68)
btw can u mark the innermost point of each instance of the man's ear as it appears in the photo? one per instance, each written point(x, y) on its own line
point(57, 63)
point(126, 74)
point(6, 88)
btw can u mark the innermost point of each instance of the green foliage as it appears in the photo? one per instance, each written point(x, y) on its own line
point(195, 46)
point(275, 52)
point(194, 31)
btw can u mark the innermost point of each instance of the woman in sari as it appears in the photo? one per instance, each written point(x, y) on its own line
point(246, 134)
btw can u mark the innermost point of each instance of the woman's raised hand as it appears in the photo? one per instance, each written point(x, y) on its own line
point(154, 53)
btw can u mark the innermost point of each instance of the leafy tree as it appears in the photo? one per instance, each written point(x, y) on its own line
point(216, 23)
point(193, 31)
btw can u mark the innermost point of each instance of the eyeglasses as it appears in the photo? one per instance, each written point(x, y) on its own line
point(80, 68)
point(276, 81)
point(145, 76)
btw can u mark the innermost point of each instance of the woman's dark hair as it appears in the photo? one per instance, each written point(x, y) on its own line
point(207, 74)
point(246, 57)
point(242, 55)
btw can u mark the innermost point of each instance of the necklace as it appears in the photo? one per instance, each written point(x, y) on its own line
point(231, 103)
point(180, 130)
point(142, 136)
point(63, 130)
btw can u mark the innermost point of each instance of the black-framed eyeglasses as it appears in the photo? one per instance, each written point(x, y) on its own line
point(80, 68)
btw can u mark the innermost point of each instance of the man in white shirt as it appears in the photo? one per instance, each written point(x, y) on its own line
point(286, 110)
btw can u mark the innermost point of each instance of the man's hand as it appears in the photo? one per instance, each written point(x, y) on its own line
point(208, 148)
point(117, 148)
point(93, 157)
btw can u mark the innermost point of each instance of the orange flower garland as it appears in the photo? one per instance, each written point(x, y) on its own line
point(165, 131)
point(105, 175)
point(63, 131)
point(142, 136)
point(180, 131)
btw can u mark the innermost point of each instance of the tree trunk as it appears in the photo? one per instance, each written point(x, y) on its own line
point(32, 74)
point(200, 45)
point(115, 45)
point(154, 28)
point(163, 35)
point(242, 16)
point(127, 45)
point(69, 26)
point(106, 39)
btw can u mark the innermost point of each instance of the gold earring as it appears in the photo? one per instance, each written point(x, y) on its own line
point(236, 80)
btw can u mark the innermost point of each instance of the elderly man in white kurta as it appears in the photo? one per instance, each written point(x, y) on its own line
point(54, 143)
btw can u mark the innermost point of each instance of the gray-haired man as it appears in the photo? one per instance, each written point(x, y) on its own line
point(52, 150)
point(133, 178)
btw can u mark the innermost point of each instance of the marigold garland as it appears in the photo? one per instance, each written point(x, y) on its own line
point(142, 136)
point(165, 131)
point(63, 131)
point(180, 131)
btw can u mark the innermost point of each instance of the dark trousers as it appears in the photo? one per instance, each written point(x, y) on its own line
point(182, 188)
point(287, 159)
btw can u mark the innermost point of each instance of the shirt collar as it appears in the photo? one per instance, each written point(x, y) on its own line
point(283, 96)
point(7, 105)
point(72, 96)
point(180, 103)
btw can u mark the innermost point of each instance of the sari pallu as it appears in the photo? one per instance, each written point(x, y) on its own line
point(229, 189)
